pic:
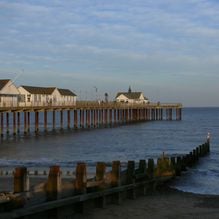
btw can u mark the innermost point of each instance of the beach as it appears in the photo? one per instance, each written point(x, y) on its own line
point(165, 203)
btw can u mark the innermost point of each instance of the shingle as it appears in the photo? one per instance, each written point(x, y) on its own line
point(130, 95)
point(66, 92)
point(3, 82)
point(39, 90)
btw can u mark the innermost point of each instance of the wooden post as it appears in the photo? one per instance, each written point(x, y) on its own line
point(143, 170)
point(54, 120)
point(18, 122)
point(2, 125)
point(100, 173)
point(150, 169)
point(28, 121)
point(116, 170)
point(36, 122)
point(81, 178)
point(7, 123)
point(80, 185)
point(178, 166)
point(118, 116)
point(131, 179)
point(82, 118)
point(110, 117)
point(142, 166)
point(114, 117)
point(21, 180)
point(53, 187)
point(97, 118)
point(14, 124)
point(116, 180)
point(45, 121)
point(61, 119)
point(86, 119)
point(173, 163)
point(75, 119)
point(183, 163)
point(69, 119)
point(25, 122)
point(91, 118)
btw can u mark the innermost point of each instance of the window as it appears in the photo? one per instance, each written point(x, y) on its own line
point(21, 98)
point(28, 97)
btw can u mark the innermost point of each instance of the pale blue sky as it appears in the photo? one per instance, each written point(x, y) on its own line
point(169, 49)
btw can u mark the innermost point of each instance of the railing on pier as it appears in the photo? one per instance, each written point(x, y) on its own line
point(106, 187)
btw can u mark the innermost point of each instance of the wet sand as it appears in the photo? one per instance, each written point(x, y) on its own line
point(166, 203)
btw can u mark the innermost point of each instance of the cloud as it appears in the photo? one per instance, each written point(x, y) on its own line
point(150, 42)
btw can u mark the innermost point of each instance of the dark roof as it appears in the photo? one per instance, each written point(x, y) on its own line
point(3, 82)
point(39, 90)
point(130, 95)
point(66, 92)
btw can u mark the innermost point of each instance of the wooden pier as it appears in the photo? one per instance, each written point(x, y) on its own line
point(15, 120)
point(58, 198)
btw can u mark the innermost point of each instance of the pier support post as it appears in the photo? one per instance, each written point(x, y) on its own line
point(110, 117)
point(36, 122)
point(88, 119)
point(114, 117)
point(2, 125)
point(81, 118)
point(61, 119)
point(95, 118)
point(21, 180)
point(45, 121)
point(69, 119)
point(18, 122)
point(28, 121)
point(14, 124)
point(75, 119)
point(53, 187)
point(7, 123)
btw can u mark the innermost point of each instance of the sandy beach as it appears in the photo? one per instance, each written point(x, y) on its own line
point(166, 203)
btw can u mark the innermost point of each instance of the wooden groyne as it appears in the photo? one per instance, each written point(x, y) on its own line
point(15, 120)
point(57, 197)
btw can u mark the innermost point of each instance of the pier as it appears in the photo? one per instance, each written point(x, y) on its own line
point(26, 119)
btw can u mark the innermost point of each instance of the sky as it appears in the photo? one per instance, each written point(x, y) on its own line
point(168, 49)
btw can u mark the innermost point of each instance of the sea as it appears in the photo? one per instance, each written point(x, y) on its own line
point(134, 141)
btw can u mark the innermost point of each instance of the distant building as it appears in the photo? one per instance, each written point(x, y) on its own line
point(9, 94)
point(131, 97)
point(43, 96)
point(67, 97)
